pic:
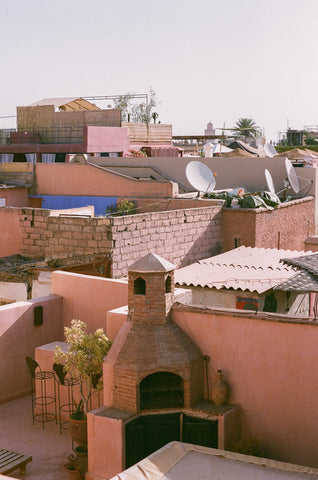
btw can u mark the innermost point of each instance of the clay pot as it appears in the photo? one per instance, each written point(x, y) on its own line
point(79, 431)
point(220, 390)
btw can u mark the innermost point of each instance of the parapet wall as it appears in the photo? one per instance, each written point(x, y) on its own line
point(54, 237)
point(182, 236)
point(286, 227)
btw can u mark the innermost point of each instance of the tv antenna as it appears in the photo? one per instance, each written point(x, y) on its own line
point(200, 177)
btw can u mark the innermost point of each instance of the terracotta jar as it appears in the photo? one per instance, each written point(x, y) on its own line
point(220, 390)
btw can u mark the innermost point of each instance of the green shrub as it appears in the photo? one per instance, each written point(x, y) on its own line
point(124, 207)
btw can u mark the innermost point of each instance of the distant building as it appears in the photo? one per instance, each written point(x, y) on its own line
point(209, 129)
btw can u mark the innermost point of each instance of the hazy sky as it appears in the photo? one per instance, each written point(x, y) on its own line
point(207, 60)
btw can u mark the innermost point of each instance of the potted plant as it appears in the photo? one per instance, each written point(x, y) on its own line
point(83, 361)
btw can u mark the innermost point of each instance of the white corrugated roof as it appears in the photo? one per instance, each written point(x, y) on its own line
point(56, 102)
point(244, 268)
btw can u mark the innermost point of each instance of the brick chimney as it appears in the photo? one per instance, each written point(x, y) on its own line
point(154, 362)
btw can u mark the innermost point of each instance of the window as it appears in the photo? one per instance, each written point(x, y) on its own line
point(139, 286)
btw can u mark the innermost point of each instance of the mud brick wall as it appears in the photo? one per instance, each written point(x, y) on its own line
point(180, 236)
point(286, 227)
point(61, 237)
point(75, 236)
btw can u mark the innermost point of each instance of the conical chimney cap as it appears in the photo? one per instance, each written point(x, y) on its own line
point(151, 263)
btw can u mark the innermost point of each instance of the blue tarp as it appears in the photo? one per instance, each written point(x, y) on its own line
point(59, 202)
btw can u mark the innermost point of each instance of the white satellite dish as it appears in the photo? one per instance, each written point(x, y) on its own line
point(270, 150)
point(200, 177)
point(291, 175)
point(269, 181)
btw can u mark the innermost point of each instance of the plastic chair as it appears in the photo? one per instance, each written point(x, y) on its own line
point(42, 400)
point(63, 381)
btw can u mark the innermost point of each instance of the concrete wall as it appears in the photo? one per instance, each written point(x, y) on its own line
point(88, 298)
point(10, 232)
point(286, 227)
point(68, 179)
point(19, 338)
point(270, 363)
point(15, 197)
point(227, 299)
point(230, 172)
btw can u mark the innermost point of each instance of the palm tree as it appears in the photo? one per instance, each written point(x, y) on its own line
point(245, 127)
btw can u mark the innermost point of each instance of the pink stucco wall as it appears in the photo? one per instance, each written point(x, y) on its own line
point(270, 363)
point(88, 298)
point(19, 337)
point(106, 139)
point(109, 462)
point(69, 179)
point(10, 232)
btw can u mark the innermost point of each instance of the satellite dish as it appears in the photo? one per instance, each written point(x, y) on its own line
point(270, 150)
point(200, 177)
point(291, 175)
point(269, 181)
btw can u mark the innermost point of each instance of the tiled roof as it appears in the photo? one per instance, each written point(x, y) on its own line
point(306, 280)
point(244, 268)
point(301, 282)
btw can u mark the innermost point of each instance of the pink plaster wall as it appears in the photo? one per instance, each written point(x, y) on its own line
point(88, 298)
point(75, 179)
point(105, 443)
point(19, 338)
point(15, 197)
point(106, 139)
point(10, 232)
point(270, 366)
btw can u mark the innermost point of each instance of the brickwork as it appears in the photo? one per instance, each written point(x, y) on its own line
point(180, 236)
point(286, 227)
point(155, 305)
point(62, 237)
point(153, 344)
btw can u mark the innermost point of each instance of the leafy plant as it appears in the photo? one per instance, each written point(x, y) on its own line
point(245, 127)
point(138, 112)
point(84, 360)
point(124, 207)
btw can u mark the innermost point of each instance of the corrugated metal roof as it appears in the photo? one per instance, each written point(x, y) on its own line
point(70, 103)
point(244, 268)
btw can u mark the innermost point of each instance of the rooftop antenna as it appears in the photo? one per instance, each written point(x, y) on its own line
point(200, 177)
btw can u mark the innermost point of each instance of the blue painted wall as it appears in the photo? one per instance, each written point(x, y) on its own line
point(59, 202)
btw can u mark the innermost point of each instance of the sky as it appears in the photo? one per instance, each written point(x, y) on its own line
point(207, 60)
